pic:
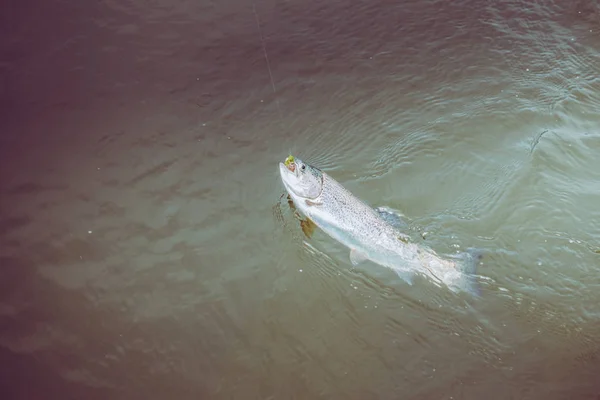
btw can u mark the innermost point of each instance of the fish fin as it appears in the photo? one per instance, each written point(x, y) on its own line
point(291, 202)
point(356, 257)
point(468, 262)
point(312, 203)
point(403, 238)
point(392, 217)
point(406, 276)
point(308, 227)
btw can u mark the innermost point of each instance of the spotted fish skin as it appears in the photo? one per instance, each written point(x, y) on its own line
point(356, 225)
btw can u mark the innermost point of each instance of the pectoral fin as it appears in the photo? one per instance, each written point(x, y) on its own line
point(291, 202)
point(308, 227)
point(356, 257)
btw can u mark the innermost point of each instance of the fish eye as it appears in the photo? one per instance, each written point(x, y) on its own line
point(303, 167)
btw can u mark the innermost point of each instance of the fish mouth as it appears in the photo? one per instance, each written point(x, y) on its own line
point(288, 174)
point(289, 166)
point(287, 170)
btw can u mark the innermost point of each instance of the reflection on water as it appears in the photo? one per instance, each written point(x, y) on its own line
point(146, 251)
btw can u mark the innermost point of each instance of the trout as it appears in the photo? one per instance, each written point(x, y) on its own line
point(369, 232)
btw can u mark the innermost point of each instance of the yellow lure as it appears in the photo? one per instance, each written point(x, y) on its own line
point(289, 160)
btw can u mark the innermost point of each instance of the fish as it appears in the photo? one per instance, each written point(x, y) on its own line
point(373, 233)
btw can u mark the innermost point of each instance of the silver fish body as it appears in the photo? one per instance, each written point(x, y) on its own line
point(367, 234)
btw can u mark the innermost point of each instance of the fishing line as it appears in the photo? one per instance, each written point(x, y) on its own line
point(262, 40)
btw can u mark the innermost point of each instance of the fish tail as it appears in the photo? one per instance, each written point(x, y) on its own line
point(468, 266)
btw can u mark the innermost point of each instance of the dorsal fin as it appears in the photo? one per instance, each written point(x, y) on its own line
point(392, 217)
point(403, 238)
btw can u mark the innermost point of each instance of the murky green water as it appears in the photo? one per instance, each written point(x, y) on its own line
point(145, 251)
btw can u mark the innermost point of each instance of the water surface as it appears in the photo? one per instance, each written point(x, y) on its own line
point(145, 250)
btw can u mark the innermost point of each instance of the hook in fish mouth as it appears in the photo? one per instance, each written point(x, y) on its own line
point(290, 163)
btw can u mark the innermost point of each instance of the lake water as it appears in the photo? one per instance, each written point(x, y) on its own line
point(145, 250)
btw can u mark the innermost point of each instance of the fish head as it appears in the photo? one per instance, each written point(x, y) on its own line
point(301, 179)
